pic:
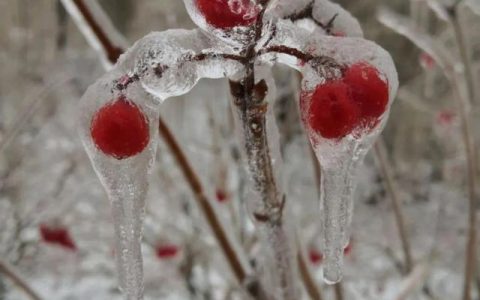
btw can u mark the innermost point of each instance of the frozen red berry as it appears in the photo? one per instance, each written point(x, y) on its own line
point(57, 236)
point(167, 251)
point(348, 249)
point(369, 91)
point(332, 113)
point(221, 195)
point(120, 129)
point(445, 118)
point(427, 61)
point(355, 101)
point(315, 256)
point(226, 14)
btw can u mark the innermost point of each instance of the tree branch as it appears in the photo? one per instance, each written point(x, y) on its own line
point(9, 272)
point(389, 183)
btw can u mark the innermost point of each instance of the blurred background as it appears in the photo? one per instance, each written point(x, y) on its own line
point(55, 224)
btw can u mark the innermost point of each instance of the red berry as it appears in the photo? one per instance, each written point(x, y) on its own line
point(348, 249)
point(332, 112)
point(57, 236)
point(446, 117)
point(167, 251)
point(226, 14)
point(120, 129)
point(221, 195)
point(316, 257)
point(340, 106)
point(427, 61)
point(369, 91)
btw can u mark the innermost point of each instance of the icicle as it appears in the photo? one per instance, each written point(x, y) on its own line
point(340, 163)
point(118, 129)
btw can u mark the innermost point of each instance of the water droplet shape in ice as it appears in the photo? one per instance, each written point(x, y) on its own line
point(341, 116)
point(120, 129)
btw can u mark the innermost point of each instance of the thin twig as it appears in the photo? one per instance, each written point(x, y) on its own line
point(424, 41)
point(470, 149)
point(209, 212)
point(306, 275)
point(9, 272)
point(413, 281)
point(33, 105)
point(338, 291)
point(386, 171)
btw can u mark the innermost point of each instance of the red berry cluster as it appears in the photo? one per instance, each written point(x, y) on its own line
point(355, 101)
point(57, 236)
point(227, 14)
point(120, 129)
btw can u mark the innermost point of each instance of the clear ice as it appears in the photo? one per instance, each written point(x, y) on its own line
point(166, 64)
point(339, 160)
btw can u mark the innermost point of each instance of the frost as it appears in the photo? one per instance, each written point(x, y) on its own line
point(323, 16)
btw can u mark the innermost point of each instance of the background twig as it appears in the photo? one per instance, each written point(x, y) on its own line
point(9, 272)
point(389, 182)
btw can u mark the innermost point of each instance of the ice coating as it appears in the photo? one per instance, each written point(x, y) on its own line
point(222, 27)
point(170, 63)
point(125, 180)
point(265, 202)
point(324, 17)
point(339, 158)
point(159, 66)
point(344, 24)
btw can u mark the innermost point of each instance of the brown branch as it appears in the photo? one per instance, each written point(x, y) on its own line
point(206, 207)
point(471, 152)
point(305, 57)
point(389, 182)
point(307, 279)
point(9, 272)
point(338, 291)
point(112, 51)
point(251, 108)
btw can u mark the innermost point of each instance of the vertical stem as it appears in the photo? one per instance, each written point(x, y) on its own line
point(470, 151)
point(338, 290)
point(251, 109)
point(17, 280)
point(472, 216)
point(211, 217)
point(387, 175)
point(309, 282)
point(464, 54)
